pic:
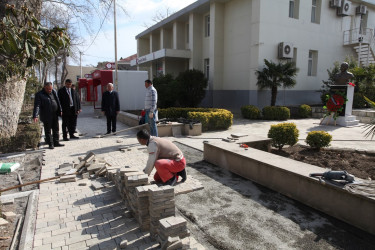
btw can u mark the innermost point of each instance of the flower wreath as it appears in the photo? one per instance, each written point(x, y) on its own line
point(335, 104)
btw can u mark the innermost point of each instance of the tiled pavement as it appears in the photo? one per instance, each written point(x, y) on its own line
point(77, 217)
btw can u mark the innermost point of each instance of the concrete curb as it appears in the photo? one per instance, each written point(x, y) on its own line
point(28, 228)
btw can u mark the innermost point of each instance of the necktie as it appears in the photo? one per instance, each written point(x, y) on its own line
point(70, 97)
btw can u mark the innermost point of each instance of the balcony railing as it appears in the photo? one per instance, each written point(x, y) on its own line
point(355, 36)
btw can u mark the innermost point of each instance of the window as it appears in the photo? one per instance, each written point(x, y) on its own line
point(312, 63)
point(315, 11)
point(187, 33)
point(207, 68)
point(293, 8)
point(207, 26)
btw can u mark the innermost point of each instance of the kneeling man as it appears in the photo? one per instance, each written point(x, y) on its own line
point(165, 156)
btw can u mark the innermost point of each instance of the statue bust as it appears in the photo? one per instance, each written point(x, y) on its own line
point(344, 77)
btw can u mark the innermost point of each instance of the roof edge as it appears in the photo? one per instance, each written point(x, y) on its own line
point(173, 16)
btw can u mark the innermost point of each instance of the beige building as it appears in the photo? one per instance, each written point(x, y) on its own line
point(74, 72)
point(229, 39)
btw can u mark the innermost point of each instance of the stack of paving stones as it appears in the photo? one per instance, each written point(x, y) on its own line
point(161, 205)
point(173, 233)
point(143, 216)
point(153, 207)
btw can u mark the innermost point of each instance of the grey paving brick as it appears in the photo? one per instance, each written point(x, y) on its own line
point(43, 247)
point(59, 243)
point(77, 246)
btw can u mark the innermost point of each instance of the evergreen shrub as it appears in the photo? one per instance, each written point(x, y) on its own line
point(318, 139)
point(276, 113)
point(283, 134)
point(250, 112)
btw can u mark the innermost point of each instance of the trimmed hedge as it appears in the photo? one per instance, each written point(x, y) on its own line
point(304, 111)
point(211, 118)
point(283, 134)
point(318, 139)
point(250, 112)
point(276, 113)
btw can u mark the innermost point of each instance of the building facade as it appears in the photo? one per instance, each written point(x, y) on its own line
point(229, 39)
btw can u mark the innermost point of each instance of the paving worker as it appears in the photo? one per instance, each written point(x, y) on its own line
point(165, 156)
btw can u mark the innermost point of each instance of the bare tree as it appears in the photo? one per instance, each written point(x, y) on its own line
point(160, 15)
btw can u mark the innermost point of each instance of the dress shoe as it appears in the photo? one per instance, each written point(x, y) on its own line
point(107, 133)
point(183, 175)
point(58, 144)
point(51, 146)
point(74, 137)
point(172, 181)
point(66, 139)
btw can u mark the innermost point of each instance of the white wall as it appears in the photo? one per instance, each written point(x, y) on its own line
point(326, 38)
point(131, 89)
point(237, 44)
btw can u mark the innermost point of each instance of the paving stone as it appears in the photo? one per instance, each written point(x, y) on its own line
point(3, 222)
point(68, 178)
point(77, 246)
point(96, 185)
point(8, 215)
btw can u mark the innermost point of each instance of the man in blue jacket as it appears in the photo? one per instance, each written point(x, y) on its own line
point(110, 107)
point(47, 106)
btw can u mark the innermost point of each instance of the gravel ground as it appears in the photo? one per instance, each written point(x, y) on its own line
point(234, 213)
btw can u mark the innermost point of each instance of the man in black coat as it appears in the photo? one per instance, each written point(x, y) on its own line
point(47, 106)
point(78, 101)
point(110, 107)
point(70, 109)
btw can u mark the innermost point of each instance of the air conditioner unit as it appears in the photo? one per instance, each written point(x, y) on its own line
point(285, 50)
point(345, 8)
point(335, 3)
point(361, 10)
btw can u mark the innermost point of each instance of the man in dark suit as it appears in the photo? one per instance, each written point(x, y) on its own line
point(70, 109)
point(78, 101)
point(110, 107)
point(47, 106)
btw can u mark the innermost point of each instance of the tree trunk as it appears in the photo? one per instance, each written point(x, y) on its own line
point(12, 91)
point(11, 100)
point(273, 95)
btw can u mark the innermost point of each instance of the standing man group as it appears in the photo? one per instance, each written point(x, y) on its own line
point(151, 100)
point(47, 106)
point(110, 107)
point(70, 110)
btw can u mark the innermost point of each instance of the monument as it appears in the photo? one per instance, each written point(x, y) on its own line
point(342, 86)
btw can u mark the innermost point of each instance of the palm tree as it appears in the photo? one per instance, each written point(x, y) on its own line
point(370, 128)
point(276, 75)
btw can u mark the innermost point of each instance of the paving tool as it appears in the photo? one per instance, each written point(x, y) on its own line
point(120, 131)
point(335, 175)
point(123, 130)
point(34, 182)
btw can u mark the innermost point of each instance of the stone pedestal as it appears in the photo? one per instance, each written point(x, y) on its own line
point(348, 119)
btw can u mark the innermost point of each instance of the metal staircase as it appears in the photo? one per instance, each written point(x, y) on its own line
point(363, 42)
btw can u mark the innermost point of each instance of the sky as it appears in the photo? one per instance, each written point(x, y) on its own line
point(139, 13)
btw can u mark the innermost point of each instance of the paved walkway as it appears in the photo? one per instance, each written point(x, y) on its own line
point(77, 217)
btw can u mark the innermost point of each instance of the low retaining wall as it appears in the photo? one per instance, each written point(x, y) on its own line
point(173, 129)
point(291, 178)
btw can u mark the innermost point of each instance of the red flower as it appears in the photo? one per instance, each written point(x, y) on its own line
point(351, 84)
point(335, 103)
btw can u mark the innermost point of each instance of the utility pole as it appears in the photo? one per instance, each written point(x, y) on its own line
point(80, 63)
point(116, 75)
